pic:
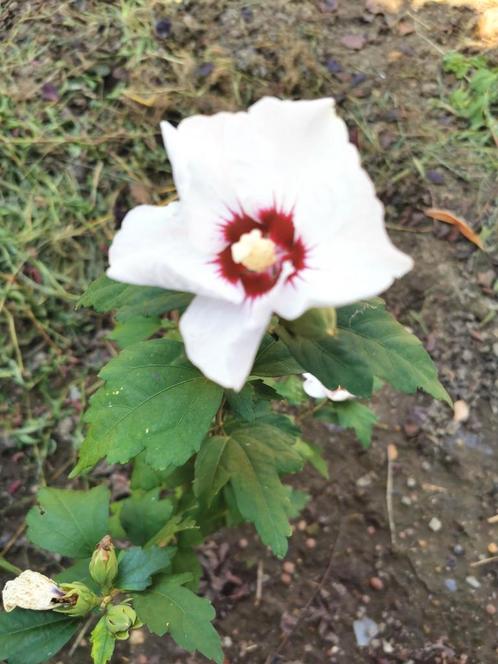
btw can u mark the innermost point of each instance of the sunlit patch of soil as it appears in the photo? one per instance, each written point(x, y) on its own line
point(487, 25)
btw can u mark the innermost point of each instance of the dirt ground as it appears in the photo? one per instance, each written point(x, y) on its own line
point(413, 575)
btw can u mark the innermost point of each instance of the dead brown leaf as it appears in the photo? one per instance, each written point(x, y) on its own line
point(449, 218)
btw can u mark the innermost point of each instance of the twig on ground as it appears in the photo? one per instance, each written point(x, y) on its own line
point(305, 609)
point(259, 584)
point(81, 635)
point(484, 561)
point(392, 455)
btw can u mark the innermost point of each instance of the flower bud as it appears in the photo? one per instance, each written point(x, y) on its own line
point(314, 324)
point(31, 590)
point(104, 563)
point(120, 619)
point(78, 600)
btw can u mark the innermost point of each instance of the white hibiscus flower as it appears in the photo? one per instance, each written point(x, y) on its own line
point(276, 215)
point(317, 390)
point(31, 590)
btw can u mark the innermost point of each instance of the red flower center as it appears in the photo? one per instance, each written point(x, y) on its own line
point(275, 225)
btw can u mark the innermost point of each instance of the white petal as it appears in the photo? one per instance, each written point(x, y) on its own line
point(354, 267)
point(313, 387)
point(30, 590)
point(296, 155)
point(251, 160)
point(340, 394)
point(152, 249)
point(202, 150)
point(222, 339)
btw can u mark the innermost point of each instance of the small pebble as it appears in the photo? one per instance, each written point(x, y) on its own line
point(436, 177)
point(492, 548)
point(376, 583)
point(137, 637)
point(310, 543)
point(491, 609)
point(205, 69)
point(411, 482)
point(289, 567)
point(286, 578)
point(371, 530)
point(406, 500)
point(243, 543)
point(473, 582)
point(435, 524)
point(247, 14)
point(334, 66)
point(461, 411)
point(302, 525)
point(364, 481)
point(451, 585)
point(458, 550)
point(163, 28)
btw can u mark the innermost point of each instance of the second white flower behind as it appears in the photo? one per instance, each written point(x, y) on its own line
point(276, 215)
point(317, 390)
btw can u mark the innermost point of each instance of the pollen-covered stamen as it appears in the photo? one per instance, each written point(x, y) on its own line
point(258, 248)
point(254, 252)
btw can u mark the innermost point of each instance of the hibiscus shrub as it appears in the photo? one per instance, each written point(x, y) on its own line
point(266, 270)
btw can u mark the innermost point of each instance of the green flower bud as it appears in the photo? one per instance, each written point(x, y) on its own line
point(314, 324)
point(104, 563)
point(119, 619)
point(78, 600)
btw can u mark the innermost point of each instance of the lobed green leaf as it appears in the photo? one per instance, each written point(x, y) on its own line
point(105, 294)
point(103, 643)
point(137, 566)
point(170, 607)
point(69, 522)
point(153, 400)
point(31, 637)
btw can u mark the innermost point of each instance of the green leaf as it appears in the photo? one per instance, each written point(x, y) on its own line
point(297, 502)
point(144, 476)
point(242, 403)
point(103, 643)
point(154, 399)
point(333, 361)
point(177, 524)
point(105, 294)
point(69, 522)
point(357, 416)
point(274, 359)
point(169, 607)
point(116, 530)
point(78, 572)
point(254, 456)
point(137, 566)
point(351, 415)
point(135, 329)
point(289, 388)
point(143, 515)
point(186, 561)
point(210, 473)
point(31, 637)
point(311, 454)
point(390, 351)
